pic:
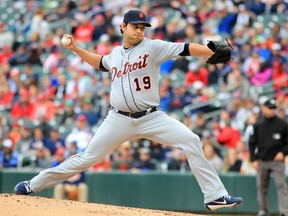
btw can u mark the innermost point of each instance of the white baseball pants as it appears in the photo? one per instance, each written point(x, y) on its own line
point(116, 129)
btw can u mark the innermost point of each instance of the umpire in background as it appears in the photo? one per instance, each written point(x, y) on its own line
point(268, 145)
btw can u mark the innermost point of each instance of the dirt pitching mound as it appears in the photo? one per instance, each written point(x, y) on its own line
point(18, 205)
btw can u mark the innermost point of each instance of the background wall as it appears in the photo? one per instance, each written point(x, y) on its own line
point(154, 190)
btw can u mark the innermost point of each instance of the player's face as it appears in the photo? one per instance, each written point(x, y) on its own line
point(133, 33)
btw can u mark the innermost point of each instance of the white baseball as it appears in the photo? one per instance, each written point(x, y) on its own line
point(65, 41)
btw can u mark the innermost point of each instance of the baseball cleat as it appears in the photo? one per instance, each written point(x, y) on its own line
point(224, 202)
point(23, 188)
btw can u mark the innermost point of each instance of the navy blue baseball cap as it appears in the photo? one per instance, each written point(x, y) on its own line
point(136, 17)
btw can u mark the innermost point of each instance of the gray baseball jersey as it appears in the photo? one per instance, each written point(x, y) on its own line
point(135, 73)
point(134, 87)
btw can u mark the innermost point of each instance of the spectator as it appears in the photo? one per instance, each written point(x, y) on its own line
point(238, 84)
point(123, 157)
point(81, 133)
point(72, 87)
point(213, 76)
point(23, 108)
point(200, 125)
point(104, 45)
point(178, 161)
point(100, 27)
point(84, 31)
point(21, 56)
point(251, 65)
point(44, 108)
point(69, 115)
point(244, 157)
point(242, 109)
point(249, 124)
point(199, 96)
point(39, 23)
point(232, 163)
point(180, 63)
point(199, 74)
point(103, 165)
point(157, 151)
point(43, 158)
point(14, 133)
point(54, 141)
point(59, 157)
point(82, 8)
point(238, 159)
point(29, 76)
point(77, 64)
point(6, 97)
point(104, 105)
point(55, 59)
point(279, 76)
point(74, 188)
point(263, 76)
point(95, 86)
point(227, 20)
point(213, 158)
point(34, 49)
point(90, 111)
point(227, 135)
point(44, 124)
point(8, 158)
point(244, 17)
point(5, 54)
point(6, 36)
point(180, 97)
point(21, 27)
point(48, 87)
point(60, 92)
point(23, 145)
point(38, 141)
point(144, 162)
point(257, 7)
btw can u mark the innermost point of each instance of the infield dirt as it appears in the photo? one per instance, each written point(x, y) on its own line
point(19, 205)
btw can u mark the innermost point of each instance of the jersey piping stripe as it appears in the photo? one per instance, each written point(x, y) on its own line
point(124, 94)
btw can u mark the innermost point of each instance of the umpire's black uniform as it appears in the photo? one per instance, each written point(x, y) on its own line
point(269, 137)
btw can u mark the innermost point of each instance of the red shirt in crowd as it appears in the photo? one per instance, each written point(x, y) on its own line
point(200, 75)
point(23, 108)
point(6, 100)
point(84, 32)
point(229, 137)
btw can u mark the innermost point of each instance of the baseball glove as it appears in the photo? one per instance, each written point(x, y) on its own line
point(222, 52)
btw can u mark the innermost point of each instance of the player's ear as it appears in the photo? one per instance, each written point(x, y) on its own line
point(123, 25)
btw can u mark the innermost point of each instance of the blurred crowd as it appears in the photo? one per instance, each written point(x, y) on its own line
point(51, 102)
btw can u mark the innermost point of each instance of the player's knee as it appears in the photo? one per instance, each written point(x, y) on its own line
point(195, 139)
point(192, 141)
point(88, 159)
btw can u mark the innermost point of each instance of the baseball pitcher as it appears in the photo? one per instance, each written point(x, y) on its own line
point(135, 112)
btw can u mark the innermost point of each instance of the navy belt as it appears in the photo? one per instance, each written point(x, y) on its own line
point(136, 114)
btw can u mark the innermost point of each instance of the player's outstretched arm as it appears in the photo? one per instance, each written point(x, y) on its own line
point(91, 58)
point(199, 50)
